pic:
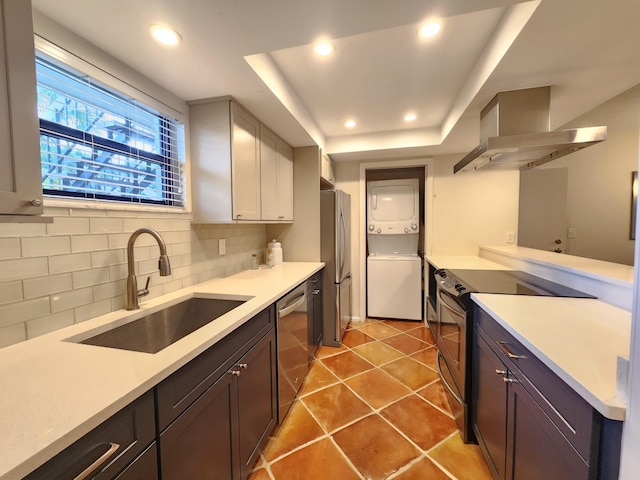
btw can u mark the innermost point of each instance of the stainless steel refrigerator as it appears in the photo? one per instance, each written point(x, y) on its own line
point(335, 248)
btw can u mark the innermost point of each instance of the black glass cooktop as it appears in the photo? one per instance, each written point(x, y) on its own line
point(509, 282)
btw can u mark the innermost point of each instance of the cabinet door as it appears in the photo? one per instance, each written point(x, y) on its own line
point(285, 182)
point(145, 467)
point(21, 181)
point(257, 401)
point(245, 154)
point(489, 405)
point(536, 448)
point(202, 442)
point(269, 174)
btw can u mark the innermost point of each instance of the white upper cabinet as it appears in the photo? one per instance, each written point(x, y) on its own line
point(240, 170)
point(20, 178)
point(277, 177)
point(327, 171)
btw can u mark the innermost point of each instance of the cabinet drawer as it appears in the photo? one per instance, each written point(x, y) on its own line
point(131, 430)
point(573, 416)
point(176, 393)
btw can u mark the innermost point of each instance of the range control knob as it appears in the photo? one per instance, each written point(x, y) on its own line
point(406, 230)
point(442, 273)
point(414, 226)
point(459, 288)
point(371, 227)
point(378, 231)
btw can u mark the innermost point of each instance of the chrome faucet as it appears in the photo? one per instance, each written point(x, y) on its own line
point(133, 294)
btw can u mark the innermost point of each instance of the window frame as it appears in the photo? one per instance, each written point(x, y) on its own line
point(169, 106)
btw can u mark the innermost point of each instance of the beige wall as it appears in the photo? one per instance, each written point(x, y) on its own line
point(468, 210)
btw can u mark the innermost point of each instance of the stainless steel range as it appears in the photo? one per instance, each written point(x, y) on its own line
point(453, 321)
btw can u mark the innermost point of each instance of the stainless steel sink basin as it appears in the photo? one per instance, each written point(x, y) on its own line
point(158, 330)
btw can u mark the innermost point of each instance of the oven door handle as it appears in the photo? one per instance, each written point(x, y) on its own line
point(454, 307)
point(444, 382)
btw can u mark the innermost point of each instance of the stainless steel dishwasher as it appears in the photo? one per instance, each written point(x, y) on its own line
point(293, 346)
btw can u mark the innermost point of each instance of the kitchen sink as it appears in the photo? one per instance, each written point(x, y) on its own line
point(158, 330)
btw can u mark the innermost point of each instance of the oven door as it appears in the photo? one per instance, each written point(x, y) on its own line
point(452, 328)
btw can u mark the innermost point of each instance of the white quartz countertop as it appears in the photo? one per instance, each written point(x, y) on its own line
point(578, 339)
point(464, 262)
point(54, 391)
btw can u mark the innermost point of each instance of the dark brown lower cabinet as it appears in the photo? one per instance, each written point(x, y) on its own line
point(220, 435)
point(529, 424)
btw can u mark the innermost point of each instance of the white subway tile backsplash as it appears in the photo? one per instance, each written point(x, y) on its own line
point(9, 248)
point(52, 275)
point(45, 246)
point(23, 311)
point(12, 334)
point(68, 226)
point(23, 268)
point(42, 286)
point(69, 263)
point(106, 225)
point(50, 323)
point(89, 243)
point(11, 292)
point(71, 299)
point(90, 277)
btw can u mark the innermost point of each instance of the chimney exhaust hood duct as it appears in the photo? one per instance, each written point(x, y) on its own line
point(514, 133)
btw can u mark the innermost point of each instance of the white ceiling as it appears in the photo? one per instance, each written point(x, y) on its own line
point(260, 52)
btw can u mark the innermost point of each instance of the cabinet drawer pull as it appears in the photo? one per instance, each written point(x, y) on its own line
point(243, 365)
point(316, 292)
point(509, 380)
point(236, 373)
point(508, 352)
point(501, 372)
point(99, 462)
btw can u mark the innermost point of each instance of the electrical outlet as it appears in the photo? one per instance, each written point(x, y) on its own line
point(510, 237)
point(222, 246)
point(571, 233)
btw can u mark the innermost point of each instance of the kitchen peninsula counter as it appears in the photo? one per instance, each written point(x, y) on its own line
point(55, 390)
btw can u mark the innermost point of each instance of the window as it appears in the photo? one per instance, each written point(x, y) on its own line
point(98, 143)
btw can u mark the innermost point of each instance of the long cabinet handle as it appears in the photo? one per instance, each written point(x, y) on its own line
point(99, 462)
point(507, 351)
point(444, 382)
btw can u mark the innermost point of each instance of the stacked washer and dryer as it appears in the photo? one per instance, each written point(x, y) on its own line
point(394, 268)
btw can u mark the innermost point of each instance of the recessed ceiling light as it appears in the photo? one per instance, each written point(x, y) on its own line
point(429, 29)
point(410, 117)
point(324, 48)
point(350, 123)
point(165, 35)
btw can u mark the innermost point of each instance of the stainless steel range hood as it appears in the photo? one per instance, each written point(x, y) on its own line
point(514, 133)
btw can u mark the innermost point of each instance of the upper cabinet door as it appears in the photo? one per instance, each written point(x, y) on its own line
point(245, 163)
point(20, 178)
point(285, 182)
point(269, 177)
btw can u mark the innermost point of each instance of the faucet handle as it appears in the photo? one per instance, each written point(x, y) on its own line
point(145, 290)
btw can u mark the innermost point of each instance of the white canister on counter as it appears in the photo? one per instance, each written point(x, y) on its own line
point(276, 249)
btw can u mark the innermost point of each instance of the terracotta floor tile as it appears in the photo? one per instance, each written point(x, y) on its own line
point(423, 334)
point(319, 461)
point(423, 469)
point(324, 351)
point(377, 352)
point(375, 448)
point(346, 364)
point(413, 374)
point(259, 474)
point(403, 325)
point(298, 428)
point(378, 388)
point(406, 343)
point(335, 406)
point(462, 460)
point(420, 421)
point(378, 330)
point(353, 338)
point(427, 356)
point(435, 394)
point(318, 377)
